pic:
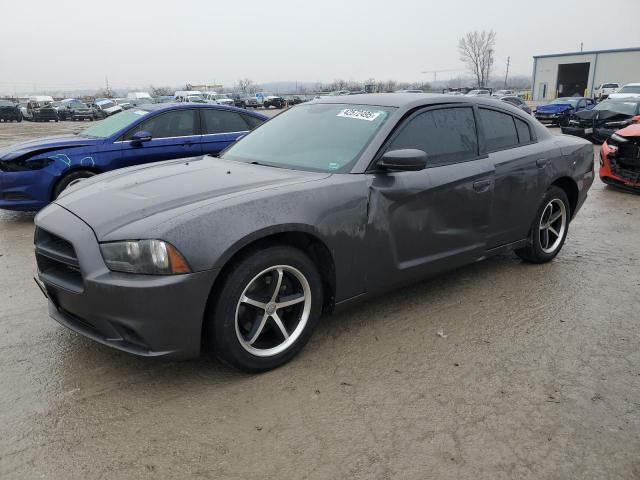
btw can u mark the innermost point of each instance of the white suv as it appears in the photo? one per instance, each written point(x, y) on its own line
point(604, 90)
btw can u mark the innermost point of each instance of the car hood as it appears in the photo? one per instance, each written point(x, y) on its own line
point(113, 200)
point(48, 144)
point(555, 108)
point(630, 131)
point(602, 115)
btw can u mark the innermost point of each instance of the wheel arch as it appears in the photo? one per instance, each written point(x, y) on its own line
point(303, 238)
point(72, 169)
point(570, 187)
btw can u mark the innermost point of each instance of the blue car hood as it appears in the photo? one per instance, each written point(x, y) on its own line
point(554, 108)
point(48, 144)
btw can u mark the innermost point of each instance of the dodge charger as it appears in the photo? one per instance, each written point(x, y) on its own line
point(332, 202)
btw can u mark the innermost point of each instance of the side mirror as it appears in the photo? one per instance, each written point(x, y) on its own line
point(141, 136)
point(408, 159)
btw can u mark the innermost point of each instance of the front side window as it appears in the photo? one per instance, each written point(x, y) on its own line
point(178, 123)
point(447, 135)
point(221, 121)
point(499, 130)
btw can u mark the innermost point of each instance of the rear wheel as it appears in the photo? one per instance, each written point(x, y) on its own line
point(71, 179)
point(265, 310)
point(549, 228)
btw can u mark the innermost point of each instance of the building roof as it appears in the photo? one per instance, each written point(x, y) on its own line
point(589, 52)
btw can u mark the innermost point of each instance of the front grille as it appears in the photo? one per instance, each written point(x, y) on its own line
point(57, 261)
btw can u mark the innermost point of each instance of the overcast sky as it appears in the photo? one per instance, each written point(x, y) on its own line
point(71, 44)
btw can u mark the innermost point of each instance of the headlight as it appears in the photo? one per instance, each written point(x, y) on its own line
point(621, 123)
point(150, 257)
point(618, 138)
point(574, 122)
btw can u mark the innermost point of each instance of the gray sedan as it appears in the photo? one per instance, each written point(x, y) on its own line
point(329, 203)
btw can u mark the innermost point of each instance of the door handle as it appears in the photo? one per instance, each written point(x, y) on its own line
point(481, 185)
point(542, 162)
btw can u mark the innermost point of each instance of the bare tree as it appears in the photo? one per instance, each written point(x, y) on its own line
point(105, 93)
point(246, 85)
point(476, 50)
point(160, 91)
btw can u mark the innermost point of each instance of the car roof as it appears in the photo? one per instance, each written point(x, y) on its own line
point(402, 100)
point(631, 84)
point(156, 107)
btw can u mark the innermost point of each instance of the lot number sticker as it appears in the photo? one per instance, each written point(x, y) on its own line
point(359, 114)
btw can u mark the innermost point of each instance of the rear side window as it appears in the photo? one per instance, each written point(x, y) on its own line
point(447, 135)
point(221, 121)
point(253, 122)
point(499, 130)
point(524, 133)
point(178, 123)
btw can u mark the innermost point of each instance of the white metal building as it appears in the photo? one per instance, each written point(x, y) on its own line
point(567, 74)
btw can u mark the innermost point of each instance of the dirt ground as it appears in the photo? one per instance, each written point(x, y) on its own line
point(538, 377)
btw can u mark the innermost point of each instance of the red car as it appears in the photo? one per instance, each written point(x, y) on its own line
point(620, 159)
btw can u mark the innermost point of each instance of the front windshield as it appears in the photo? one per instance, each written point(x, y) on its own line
point(565, 100)
point(319, 137)
point(626, 108)
point(106, 104)
point(195, 99)
point(112, 125)
point(220, 96)
point(630, 89)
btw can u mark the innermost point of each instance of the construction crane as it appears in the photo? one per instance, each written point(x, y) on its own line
point(436, 72)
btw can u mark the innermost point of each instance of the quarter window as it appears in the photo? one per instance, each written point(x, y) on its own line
point(524, 134)
point(447, 135)
point(178, 123)
point(252, 121)
point(499, 130)
point(221, 121)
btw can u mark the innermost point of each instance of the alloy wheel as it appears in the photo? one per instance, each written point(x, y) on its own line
point(553, 224)
point(273, 310)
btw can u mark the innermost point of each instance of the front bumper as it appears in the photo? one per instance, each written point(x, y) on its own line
point(613, 176)
point(547, 118)
point(146, 315)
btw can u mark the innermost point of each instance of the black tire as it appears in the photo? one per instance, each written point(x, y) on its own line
point(70, 178)
point(535, 251)
point(220, 328)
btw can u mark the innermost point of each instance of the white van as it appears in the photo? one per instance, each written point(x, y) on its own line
point(139, 98)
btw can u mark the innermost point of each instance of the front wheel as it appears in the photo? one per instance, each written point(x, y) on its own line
point(265, 310)
point(549, 228)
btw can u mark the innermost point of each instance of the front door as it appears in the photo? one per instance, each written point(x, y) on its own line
point(174, 134)
point(425, 222)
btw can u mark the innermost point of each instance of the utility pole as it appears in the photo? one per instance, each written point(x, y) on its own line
point(506, 75)
point(581, 44)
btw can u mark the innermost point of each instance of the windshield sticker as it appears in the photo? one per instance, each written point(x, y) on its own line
point(334, 166)
point(367, 115)
point(140, 112)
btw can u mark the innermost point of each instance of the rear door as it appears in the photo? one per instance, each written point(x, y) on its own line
point(174, 134)
point(510, 143)
point(221, 128)
point(437, 218)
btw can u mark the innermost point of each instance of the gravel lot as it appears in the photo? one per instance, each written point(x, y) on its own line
point(537, 378)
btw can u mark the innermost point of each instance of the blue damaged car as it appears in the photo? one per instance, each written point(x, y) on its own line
point(32, 174)
point(560, 110)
